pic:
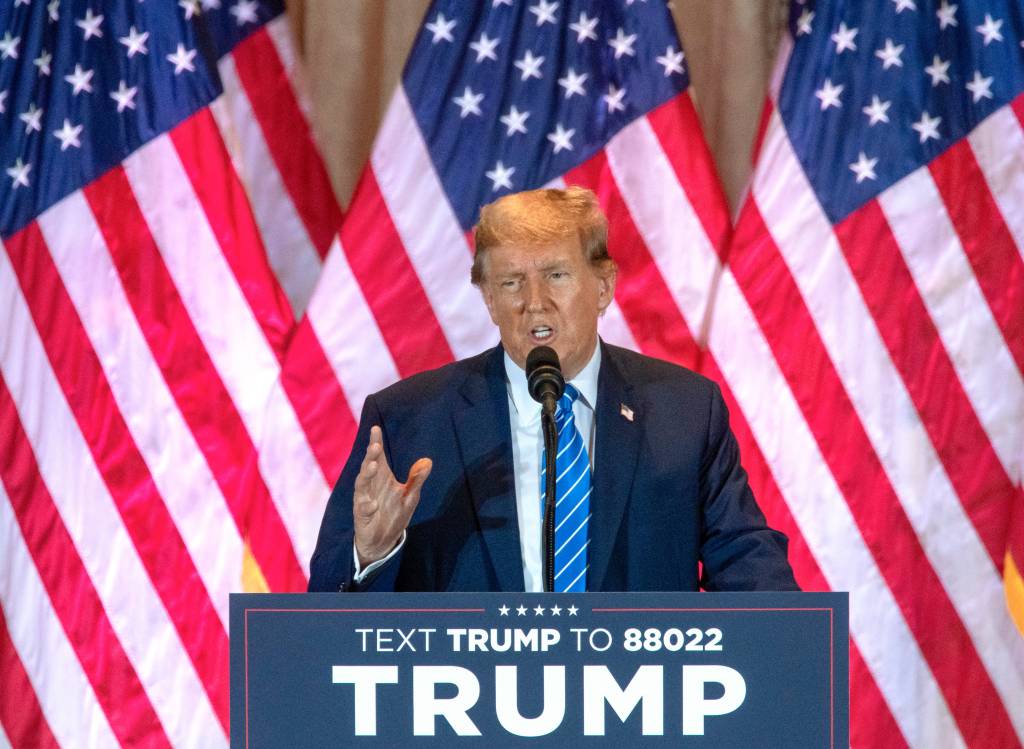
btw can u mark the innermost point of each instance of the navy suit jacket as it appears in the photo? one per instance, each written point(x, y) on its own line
point(669, 490)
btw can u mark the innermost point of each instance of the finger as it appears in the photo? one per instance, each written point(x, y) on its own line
point(375, 446)
point(418, 474)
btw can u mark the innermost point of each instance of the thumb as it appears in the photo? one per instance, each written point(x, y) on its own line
point(417, 476)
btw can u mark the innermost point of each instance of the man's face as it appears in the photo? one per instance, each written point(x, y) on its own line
point(546, 295)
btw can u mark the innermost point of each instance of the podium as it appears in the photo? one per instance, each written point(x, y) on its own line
point(539, 670)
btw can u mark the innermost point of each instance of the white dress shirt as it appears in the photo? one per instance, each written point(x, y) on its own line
point(527, 448)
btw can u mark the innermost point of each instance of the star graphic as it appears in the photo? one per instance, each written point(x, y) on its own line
point(441, 28)
point(539, 611)
point(3, 98)
point(80, 80)
point(68, 136)
point(890, 54)
point(32, 119)
point(484, 48)
point(90, 25)
point(614, 99)
point(622, 43)
point(244, 12)
point(496, 3)
point(21, 2)
point(124, 96)
point(572, 610)
point(182, 59)
point(544, 11)
point(556, 610)
point(514, 120)
point(521, 611)
point(135, 42)
point(902, 5)
point(43, 62)
point(561, 138)
point(947, 15)
point(211, 4)
point(927, 127)
point(191, 8)
point(864, 168)
point(990, 30)
point(503, 610)
point(469, 103)
point(980, 87)
point(803, 23)
point(530, 65)
point(843, 38)
point(877, 111)
point(584, 28)
point(573, 83)
point(672, 61)
point(9, 46)
point(938, 70)
point(53, 9)
point(829, 95)
point(19, 174)
point(500, 175)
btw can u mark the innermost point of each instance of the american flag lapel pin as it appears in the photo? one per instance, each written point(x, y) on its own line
point(626, 411)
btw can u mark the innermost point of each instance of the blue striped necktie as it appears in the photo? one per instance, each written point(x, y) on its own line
point(572, 490)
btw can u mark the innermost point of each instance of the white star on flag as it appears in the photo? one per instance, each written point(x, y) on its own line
point(877, 111)
point(614, 98)
point(573, 83)
point(980, 87)
point(938, 70)
point(32, 119)
point(441, 28)
point(829, 94)
point(244, 12)
point(803, 23)
point(902, 5)
point(890, 54)
point(864, 168)
point(990, 30)
point(90, 25)
point(469, 103)
point(182, 59)
point(500, 175)
point(562, 138)
point(544, 11)
point(622, 44)
point(19, 174)
point(80, 80)
point(135, 42)
point(68, 135)
point(211, 4)
point(672, 61)
point(927, 127)
point(9, 46)
point(43, 62)
point(191, 8)
point(947, 15)
point(496, 3)
point(514, 120)
point(584, 28)
point(484, 48)
point(843, 38)
point(124, 96)
point(53, 9)
point(530, 65)
point(3, 98)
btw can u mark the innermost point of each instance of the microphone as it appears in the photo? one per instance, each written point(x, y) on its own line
point(544, 377)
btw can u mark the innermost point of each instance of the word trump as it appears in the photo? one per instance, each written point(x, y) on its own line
point(645, 691)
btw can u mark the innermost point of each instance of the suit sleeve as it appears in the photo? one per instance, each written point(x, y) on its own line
point(738, 549)
point(332, 567)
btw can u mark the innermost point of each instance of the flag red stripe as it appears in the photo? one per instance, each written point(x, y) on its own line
point(75, 600)
point(220, 192)
point(1018, 108)
point(990, 249)
point(152, 529)
point(192, 378)
point(871, 723)
point(675, 122)
point(20, 713)
point(320, 404)
point(641, 292)
point(389, 282)
point(289, 137)
point(790, 331)
point(920, 357)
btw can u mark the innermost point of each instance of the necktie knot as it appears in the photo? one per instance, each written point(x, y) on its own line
point(569, 397)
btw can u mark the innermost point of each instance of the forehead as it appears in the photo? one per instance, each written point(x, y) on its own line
point(522, 257)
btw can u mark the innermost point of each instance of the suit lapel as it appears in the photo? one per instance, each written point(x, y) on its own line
point(485, 442)
point(617, 442)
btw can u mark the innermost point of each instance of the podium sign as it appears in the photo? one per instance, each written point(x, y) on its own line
point(516, 669)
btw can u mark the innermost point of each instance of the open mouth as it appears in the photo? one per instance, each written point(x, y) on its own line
point(541, 333)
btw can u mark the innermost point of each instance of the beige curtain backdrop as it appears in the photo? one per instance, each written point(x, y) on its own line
point(354, 51)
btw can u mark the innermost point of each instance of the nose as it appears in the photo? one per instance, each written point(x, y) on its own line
point(534, 297)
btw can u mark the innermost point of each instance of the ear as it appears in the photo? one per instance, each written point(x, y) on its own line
point(606, 288)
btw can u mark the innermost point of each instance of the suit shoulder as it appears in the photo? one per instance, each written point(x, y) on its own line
point(642, 370)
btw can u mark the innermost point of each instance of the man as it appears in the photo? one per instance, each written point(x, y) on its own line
point(652, 495)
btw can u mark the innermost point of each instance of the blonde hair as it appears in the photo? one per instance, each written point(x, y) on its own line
point(538, 217)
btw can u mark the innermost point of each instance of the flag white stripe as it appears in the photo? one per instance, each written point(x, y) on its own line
point(164, 440)
point(655, 199)
point(614, 329)
point(998, 145)
point(429, 231)
point(290, 250)
point(885, 409)
point(961, 314)
point(5, 743)
point(136, 613)
point(65, 694)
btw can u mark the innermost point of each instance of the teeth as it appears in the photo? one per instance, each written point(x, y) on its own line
point(542, 332)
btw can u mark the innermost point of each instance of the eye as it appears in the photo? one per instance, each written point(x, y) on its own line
point(557, 275)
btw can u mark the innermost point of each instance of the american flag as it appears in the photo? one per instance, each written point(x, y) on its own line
point(163, 217)
point(870, 324)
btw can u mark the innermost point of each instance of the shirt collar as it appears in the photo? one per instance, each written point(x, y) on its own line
point(525, 405)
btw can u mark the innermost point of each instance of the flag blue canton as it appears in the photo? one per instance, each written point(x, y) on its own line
point(874, 90)
point(511, 95)
point(84, 84)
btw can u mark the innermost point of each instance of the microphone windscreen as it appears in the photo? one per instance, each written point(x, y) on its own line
point(544, 373)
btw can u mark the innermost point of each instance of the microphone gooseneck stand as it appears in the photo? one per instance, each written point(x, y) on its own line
point(550, 451)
